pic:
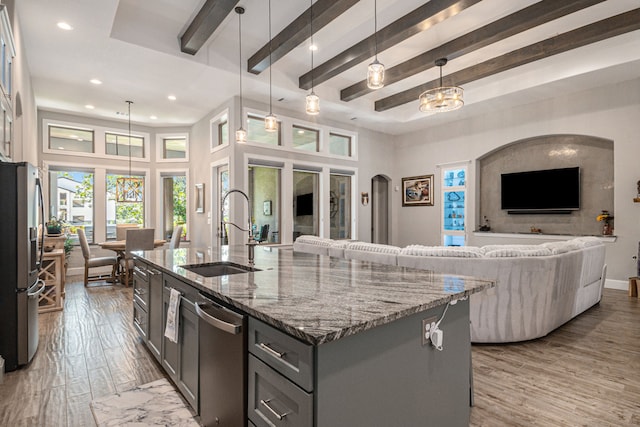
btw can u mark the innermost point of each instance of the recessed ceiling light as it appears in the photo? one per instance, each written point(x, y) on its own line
point(64, 26)
point(89, 107)
point(172, 97)
point(96, 81)
point(313, 47)
point(153, 117)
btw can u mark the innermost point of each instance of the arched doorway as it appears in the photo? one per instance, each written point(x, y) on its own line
point(380, 215)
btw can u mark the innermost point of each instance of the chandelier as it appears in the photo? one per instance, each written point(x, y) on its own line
point(312, 102)
point(442, 98)
point(375, 70)
point(241, 134)
point(270, 122)
point(129, 189)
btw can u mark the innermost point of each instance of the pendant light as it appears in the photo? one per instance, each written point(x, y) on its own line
point(241, 134)
point(270, 122)
point(442, 98)
point(375, 71)
point(312, 104)
point(130, 189)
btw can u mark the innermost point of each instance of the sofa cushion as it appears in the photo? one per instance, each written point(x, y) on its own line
point(561, 247)
point(586, 241)
point(498, 251)
point(443, 251)
point(314, 240)
point(373, 247)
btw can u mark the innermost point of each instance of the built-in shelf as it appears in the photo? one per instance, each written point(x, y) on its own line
point(539, 236)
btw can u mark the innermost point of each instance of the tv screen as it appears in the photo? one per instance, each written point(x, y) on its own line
point(551, 189)
point(304, 204)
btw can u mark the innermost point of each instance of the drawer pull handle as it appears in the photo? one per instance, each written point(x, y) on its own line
point(271, 351)
point(273, 411)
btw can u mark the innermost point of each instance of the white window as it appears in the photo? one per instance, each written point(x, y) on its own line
point(71, 139)
point(340, 144)
point(257, 133)
point(305, 138)
point(121, 145)
point(174, 203)
point(65, 184)
point(122, 212)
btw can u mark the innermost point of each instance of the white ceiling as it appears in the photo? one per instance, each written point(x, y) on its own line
point(133, 47)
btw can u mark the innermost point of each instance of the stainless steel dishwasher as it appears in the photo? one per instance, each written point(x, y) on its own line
point(223, 365)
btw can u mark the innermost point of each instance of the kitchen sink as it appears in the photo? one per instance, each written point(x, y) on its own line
point(220, 268)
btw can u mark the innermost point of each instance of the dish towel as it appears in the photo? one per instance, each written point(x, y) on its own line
point(173, 316)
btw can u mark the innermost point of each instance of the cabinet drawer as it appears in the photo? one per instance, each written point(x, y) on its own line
point(274, 400)
point(141, 285)
point(285, 354)
point(140, 320)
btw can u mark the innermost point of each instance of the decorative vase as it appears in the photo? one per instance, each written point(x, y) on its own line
point(606, 229)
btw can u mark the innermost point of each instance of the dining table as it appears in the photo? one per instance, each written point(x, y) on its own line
point(119, 247)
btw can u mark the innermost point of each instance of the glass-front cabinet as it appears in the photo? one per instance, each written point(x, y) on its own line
point(454, 205)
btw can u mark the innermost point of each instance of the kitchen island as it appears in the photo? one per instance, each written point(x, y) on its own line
point(330, 341)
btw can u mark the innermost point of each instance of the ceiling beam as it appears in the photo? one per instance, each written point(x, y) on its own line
point(324, 11)
point(592, 33)
point(522, 20)
point(211, 14)
point(420, 19)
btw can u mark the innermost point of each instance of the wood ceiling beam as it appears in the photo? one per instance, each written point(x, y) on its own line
point(592, 33)
point(522, 20)
point(324, 11)
point(211, 14)
point(420, 19)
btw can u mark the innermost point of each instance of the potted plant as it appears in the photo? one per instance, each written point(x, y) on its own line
point(54, 226)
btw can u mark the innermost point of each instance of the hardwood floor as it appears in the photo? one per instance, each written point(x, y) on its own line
point(88, 350)
point(587, 373)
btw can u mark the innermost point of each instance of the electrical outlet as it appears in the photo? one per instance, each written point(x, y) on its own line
point(427, 326)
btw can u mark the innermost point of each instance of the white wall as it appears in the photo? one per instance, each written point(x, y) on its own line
point(611, 112)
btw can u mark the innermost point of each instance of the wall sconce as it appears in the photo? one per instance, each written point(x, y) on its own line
point(364, 198)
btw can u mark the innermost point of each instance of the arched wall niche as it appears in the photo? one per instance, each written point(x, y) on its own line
point(592, 154)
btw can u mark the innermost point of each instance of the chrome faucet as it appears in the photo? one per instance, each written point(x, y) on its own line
point(251, 243)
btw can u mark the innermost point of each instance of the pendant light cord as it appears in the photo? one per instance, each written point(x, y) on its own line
point(129, 115)
point(240, 60)
point(375, 26)
point(270, 94)
point(312, 47)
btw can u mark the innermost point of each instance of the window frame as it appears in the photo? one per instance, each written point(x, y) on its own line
point(261, 116)
point(296, 128)
point(161, 137)
point(215, 141)
point(159, 175)
point(125, 135)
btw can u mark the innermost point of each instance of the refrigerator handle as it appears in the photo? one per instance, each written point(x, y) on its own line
point(41, 201)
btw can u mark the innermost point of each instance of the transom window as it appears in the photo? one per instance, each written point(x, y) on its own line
point(223, 133)
point(256, 132)
point(174, 148)
point(340, 144)
point(71, 139)
point(306, 139)
point(119, 145)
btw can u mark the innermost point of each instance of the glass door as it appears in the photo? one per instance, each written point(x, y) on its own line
point(454, 206)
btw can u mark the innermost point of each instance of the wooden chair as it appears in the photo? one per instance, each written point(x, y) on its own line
point(140, 239)
point(176, 237)
point(121, 230)
point(95, 262)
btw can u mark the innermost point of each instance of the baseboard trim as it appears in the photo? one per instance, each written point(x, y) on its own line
point(622, 285)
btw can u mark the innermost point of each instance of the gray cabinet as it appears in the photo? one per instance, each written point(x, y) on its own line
point(155, 314)
point(140, 300)
point(181, 359)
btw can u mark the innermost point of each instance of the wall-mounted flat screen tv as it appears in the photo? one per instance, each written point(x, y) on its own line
point(304, 204)
point(541, 190)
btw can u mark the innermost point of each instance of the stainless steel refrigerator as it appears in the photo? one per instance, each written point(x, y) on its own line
point(21, 211)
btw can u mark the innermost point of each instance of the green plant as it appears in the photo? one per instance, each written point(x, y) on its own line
point(68, 247)
point(55, 225)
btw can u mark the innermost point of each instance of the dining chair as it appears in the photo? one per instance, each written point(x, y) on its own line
point(140, 239)
point(175, 238)
point(121, 230)
point(95, 262)
point(264, 234)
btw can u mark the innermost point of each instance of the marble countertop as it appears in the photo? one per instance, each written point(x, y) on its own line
point(316, 298)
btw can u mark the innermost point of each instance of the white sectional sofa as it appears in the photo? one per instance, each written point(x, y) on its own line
point(539, 287)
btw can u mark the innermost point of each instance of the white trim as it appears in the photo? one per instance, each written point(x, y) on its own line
point(213, 219)
point(214, 136)
point(160, 137)
point(616, 284)
point(99, 141)
point(160, 198)
point(286, 133)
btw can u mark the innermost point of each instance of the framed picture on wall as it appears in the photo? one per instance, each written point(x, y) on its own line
point(266, 208)
point(199, 198)
point(417, 191)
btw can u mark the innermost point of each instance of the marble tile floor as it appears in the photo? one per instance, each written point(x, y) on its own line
point(156, 403)
point(583, 374)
